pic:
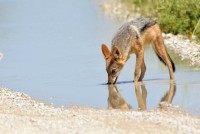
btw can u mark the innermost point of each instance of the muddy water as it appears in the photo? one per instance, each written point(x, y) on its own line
point(52, 52)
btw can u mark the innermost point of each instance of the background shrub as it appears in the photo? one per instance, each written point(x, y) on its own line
point(174, 16)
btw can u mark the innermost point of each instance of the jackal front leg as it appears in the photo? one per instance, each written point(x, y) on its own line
point(143, 70)
point(141, 97)
point(138, 65)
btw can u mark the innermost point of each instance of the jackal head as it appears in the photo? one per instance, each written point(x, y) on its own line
point(114, 63)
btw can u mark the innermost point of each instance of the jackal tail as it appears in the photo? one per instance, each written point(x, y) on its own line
point(160, 58)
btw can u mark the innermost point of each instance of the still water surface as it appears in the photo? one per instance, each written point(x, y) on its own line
point(52, 52)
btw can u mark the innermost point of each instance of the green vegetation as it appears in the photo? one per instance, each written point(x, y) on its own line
point(174, 16)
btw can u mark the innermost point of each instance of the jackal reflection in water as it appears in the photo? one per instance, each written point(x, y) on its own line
point(116, 100)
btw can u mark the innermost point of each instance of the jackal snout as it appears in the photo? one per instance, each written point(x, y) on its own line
point(112, 80)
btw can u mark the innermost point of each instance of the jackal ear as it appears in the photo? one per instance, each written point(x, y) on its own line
point(105, 51)
point(116, 53)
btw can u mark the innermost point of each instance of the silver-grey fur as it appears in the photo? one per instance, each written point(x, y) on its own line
point(129, 33)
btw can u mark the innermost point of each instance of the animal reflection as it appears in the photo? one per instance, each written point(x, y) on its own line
point(168, 97)
point(141, 97)
point(116, 100)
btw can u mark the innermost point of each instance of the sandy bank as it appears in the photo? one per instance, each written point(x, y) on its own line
point(19, 113)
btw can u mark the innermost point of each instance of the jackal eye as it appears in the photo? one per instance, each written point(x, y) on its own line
point(113, 71)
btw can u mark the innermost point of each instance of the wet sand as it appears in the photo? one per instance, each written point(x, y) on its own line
point(20, 113)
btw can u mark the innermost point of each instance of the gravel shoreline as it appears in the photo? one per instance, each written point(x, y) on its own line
point(22, 114)
point(182, 46)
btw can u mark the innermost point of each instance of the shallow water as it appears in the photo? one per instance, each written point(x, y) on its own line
point(52, 52)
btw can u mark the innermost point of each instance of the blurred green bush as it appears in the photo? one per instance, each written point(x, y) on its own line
point(174, 16)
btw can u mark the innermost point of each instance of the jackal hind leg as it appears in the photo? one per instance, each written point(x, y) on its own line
point(143, 70)
point(162, 53)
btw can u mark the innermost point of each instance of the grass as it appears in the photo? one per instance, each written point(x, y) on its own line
point(174, 16)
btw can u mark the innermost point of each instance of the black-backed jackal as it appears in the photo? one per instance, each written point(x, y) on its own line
point(132, 37)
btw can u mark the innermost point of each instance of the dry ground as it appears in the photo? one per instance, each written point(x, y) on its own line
point(20, 113)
